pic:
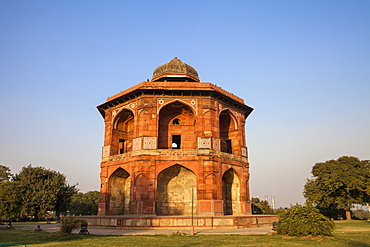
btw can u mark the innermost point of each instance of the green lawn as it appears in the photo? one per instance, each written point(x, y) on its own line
point(347, 233)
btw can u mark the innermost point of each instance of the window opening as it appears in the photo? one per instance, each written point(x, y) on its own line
point(176, 141)
point(121, 146)
point(228, 146)
point(176, 121)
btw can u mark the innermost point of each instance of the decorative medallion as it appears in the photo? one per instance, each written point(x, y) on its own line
point(216, 144)
point(204, 142)
point(150, 143)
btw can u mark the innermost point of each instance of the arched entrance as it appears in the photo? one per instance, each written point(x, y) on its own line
point(231, 193)
point(174, 191)
point(123, 132)
point(119, 192)
point(175, 119)
point(227, 131)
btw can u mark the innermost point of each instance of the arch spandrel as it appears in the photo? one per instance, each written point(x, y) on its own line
point(192, 103)
point(158, 171)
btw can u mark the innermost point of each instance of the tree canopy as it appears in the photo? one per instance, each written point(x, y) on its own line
point(5, 174)
point(34, 192)
point(261, 207)
point(84, 203)
point(338, 184)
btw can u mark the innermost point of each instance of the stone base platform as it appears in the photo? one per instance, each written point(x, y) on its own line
point(175, 222)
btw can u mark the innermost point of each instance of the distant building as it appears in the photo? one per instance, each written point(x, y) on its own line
point(171, 141)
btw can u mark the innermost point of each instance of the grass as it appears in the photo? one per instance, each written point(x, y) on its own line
point(347, 233)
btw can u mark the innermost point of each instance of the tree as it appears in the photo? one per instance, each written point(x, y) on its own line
point(84, 203)
point(5, 174)
point(261, 207)
point(10, 203)
point(43, 190)
point(338, 184)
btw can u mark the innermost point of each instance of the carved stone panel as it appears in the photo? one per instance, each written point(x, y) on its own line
point(150, 143)
point(106, 151)
point(136, 144)
point(204, 142)
point(216, 144)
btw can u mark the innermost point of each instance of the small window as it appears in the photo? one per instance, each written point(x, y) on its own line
point(176, 121)
point(121, 146)
point(228, 146)
point(176, 141)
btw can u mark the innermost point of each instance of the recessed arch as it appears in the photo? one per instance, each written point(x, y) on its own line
point(123, 131)
point(119, 192)
point(176, 188)
point(210, 186)
point(232, 116)
point(142, 187)
point(231, 192)
point(123, 116)
point(228, 131)
point(169, 134)
point(143, 120)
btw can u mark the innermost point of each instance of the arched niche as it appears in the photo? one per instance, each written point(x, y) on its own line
point(211, 186)
point(175, 188)
point(142, 187)
point(143, 123)
point(231, 192)
point(123, 132)
point(119, 192)
point(176, 128)
point(228, 131)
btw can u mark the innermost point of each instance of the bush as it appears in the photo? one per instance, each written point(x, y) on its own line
point(360, 214)
point(67, 225)
point(303, 221)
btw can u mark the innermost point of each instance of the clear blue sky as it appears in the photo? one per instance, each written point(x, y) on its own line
point(304, 66)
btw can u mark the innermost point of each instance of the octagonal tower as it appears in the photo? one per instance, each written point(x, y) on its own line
point(174, 142)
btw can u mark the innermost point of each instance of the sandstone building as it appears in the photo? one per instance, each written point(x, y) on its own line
point(173, 145)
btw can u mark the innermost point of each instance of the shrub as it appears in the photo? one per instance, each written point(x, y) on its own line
point(67, 225)
point(360, 214)
point(303, 221)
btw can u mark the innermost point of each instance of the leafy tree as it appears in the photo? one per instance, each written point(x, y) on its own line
point(84, 203)
point(5, 174)
point(43, 190)
point(261, 207)
point(338, 184)
point(10, 203)
point(303, 221)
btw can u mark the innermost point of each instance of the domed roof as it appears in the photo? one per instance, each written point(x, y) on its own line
point(175, 70)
